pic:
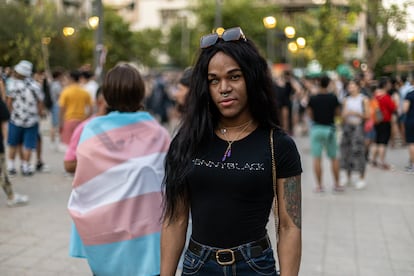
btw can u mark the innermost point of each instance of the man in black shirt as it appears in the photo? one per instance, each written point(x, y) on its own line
point(322, 109)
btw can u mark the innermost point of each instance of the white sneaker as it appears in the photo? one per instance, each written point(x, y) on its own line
point(18, 200)
point(344, 181)
point(360, 184)
point(409, 169)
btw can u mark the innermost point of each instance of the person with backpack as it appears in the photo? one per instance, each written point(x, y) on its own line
point(25, 103)
point(382, 118)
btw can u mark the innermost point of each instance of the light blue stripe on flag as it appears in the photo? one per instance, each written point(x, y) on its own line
point(112, 120)
point(136, 257)
point(76, 248)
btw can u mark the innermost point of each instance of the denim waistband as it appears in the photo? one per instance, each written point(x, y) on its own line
point(228, 256)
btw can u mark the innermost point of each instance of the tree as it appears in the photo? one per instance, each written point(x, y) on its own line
point(244, 13)
point(22, 28)
point(396, 52)
point(122, 45)
point(146, 46)
point(379, 20)
point(184, 40)
point(328, 29)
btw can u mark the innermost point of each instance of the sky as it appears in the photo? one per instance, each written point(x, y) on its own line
point(409, 31)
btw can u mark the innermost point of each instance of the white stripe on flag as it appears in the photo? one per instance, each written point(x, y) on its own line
point(134, 177)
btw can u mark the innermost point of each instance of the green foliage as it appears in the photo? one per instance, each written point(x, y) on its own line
point(117, 39)
point(244, 13)
point(326, 30)
point(146, 46)
point(379, 19)
point(182, 46)
point(330, 35)
point(397, 52)
point(22, 29)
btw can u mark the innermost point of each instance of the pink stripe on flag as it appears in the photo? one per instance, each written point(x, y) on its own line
point(109, 149)
point(120, 221)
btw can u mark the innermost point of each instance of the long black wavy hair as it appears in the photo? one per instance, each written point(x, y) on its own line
point(201, 116)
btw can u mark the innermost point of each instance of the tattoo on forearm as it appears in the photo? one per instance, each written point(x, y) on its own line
point(293, 200)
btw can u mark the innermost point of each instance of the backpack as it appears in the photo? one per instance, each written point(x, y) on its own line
point(375, 111)
point(47, 100)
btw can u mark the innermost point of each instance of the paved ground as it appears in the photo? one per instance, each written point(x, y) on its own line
point(358, 233)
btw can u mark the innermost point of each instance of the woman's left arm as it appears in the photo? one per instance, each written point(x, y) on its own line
point(290, 225)
point(406, 106)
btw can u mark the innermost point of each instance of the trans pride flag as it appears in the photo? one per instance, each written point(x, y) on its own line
point(116, 198)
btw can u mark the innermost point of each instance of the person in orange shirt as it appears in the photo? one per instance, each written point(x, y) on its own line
point(75, 106)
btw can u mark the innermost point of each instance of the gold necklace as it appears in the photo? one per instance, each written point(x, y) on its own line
point(225, 128)
point(227, 153)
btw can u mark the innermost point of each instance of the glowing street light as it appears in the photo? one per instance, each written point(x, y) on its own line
point(220, 31)
point(68, 31)
point(269, 22)
point(290, 32)
point(93, 22)
point(293, 47)
point(301, 42)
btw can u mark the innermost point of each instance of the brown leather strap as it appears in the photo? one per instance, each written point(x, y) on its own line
point(256, 249)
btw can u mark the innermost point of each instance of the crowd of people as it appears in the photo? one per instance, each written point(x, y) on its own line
point(354, 119)
point(149, 156)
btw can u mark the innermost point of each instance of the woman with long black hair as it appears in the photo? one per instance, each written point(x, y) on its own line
point(220, 168)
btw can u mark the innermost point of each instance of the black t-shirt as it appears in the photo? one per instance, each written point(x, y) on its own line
point(323, 108)
point(283, 94)
point(410, 114)
point(231, 199)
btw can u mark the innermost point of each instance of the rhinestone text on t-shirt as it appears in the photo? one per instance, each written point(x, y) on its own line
point(229, 165)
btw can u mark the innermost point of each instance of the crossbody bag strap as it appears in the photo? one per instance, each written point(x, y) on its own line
point(275, 203)
point(39, 103)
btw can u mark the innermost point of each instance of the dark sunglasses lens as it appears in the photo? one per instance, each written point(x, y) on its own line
point(232, 34)
point(208, 40)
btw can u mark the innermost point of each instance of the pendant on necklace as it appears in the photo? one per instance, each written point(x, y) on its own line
point(227, 153)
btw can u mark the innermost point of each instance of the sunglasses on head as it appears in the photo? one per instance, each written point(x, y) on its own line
point(232, 34)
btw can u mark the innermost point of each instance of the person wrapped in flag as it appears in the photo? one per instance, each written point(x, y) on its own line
point(116, 201)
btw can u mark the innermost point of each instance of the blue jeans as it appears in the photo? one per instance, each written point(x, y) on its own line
point(204, 265)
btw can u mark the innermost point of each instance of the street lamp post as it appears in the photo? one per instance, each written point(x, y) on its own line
point(218, 18)
point(410, 54)
point(185, 35)
point(289, 32)
point(68, 31)
point(99, 48)
point(45, 51)
point(270, 23)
